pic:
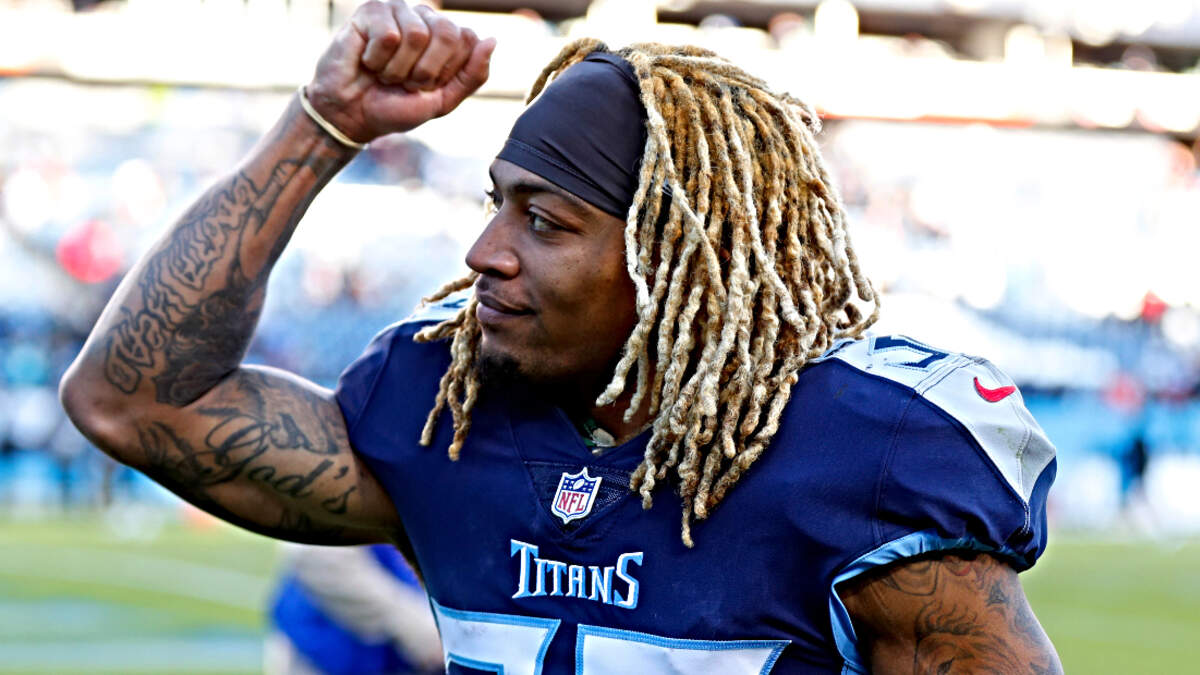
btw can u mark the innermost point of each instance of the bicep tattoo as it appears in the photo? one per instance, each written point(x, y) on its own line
point(952, 614)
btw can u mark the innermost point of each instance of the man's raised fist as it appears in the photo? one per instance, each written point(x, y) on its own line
point(393, 67)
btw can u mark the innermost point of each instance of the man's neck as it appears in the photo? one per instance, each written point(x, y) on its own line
point(611, 418)
point(580, 407)
point(577, 395)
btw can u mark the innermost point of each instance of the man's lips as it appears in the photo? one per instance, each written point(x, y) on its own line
point(491, 302)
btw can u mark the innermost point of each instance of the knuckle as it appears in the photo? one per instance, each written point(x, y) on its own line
point(417, 35)
point(422, 73)
point(445, 32)
point(438, 24)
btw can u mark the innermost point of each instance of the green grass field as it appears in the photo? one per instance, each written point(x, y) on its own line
point(1120, 607)
point(75, 598)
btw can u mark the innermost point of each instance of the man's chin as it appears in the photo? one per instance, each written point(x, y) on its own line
point(500, 371)
point(504, 372)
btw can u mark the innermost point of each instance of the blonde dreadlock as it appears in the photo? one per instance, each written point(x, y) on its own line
point(749, 274)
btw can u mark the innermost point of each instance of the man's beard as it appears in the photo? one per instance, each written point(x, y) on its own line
point(500, 373)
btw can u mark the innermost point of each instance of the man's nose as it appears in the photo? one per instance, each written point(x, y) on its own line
point(492, 254)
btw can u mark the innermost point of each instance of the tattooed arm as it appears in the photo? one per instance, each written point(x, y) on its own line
point(159, 383)
point(954, 613)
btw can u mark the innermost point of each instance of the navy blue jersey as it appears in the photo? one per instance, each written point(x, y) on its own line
point(537, 557)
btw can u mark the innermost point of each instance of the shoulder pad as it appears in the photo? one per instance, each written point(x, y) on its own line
point(442, 310)
point(967, 388)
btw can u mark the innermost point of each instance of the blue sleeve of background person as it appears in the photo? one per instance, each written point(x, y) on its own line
point(391, 560)
point(326, 644)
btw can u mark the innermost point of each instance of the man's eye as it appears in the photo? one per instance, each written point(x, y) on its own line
point(541, 225)
point(492, 197)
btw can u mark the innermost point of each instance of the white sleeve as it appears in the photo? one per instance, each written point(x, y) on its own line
point(350, 584)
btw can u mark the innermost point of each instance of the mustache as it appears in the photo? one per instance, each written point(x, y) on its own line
point(488, 296)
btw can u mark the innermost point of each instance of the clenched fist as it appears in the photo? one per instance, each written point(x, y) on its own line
point(393, 67)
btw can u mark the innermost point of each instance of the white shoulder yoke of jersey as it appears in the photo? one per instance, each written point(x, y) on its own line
point(968, 388)
point(442, 310)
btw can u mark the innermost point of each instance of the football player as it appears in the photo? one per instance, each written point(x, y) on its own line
point(664, 304)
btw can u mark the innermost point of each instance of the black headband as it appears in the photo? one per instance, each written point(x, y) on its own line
point(585, 133)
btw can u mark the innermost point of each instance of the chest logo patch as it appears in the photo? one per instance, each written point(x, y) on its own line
point(575, 495)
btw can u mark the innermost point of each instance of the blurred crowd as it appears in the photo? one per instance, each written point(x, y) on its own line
point(1062, 254)
point(78, 206)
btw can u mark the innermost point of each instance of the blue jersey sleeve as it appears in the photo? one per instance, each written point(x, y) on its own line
point(967, 467)
point(386, 394)
point(946, 488)
point(358, 381)
point(392, 352)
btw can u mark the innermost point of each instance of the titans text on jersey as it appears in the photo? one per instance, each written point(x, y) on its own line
point(888, 448)
point(543, 576)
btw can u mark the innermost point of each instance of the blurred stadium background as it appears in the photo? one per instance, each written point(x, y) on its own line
point(1021, 176)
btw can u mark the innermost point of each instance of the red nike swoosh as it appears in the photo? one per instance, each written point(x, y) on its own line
point(993, 395)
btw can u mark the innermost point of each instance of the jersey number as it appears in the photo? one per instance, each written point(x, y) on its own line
point(517, 645)
point(930, 354)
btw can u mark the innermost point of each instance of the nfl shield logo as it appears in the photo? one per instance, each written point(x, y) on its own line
point(575, 495)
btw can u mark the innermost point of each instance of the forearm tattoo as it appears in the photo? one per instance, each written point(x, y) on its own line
point(190, 318)
point(958, 615)
point(256, 448)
